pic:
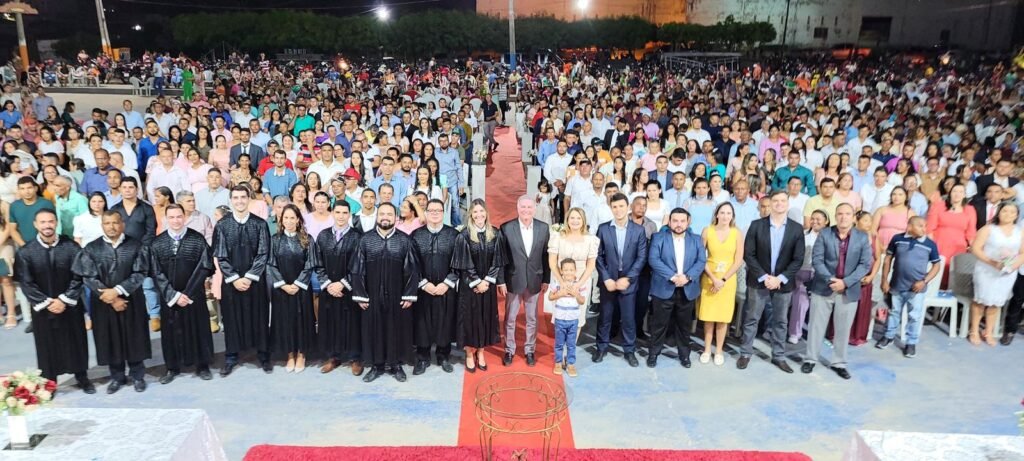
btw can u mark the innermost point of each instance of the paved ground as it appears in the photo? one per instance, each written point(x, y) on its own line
point(949, 387)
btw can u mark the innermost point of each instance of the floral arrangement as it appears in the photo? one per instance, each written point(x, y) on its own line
point(557, 227)
point(23, 392)
point(481, 156)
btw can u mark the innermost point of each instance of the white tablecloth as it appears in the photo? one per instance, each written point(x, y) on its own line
point(918, 446)
point(118, 434)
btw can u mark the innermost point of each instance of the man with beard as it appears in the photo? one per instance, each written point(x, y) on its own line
point(181, 263)
point(385, 279)
point(434, 312)
point(113, 268)
point(338, 324)
point(43, 266)
point(241, 244)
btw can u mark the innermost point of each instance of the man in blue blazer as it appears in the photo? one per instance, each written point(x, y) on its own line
point(620, 258)
point(841, 257)
point(677, 259)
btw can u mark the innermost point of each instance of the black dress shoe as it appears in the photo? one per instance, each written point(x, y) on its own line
point(268, 367)
point(507, 359)
point(471, 370)
point(114, 386)
point(373, 374)
point(169, 377)
point(28, 329)
point(399, 374)
point(481, 367)
point(87, 387)
point(782, 365)
point(420, 367)
point(598, 356)
point(685, 360)
point(807, 367)
point(652, 361)
point(228, 368)
point(204, 374)
point(742, 362)
point(446, 365)
point(631, 360)
point(531, 359)
point(140, 385)
point(841, 372)
point(1007, 339)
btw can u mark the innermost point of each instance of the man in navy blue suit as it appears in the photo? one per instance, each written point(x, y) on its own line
point(677, 259)
point(621, 257)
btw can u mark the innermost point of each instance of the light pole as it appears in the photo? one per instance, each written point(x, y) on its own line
point(512, 34)
point(18, 8)
point(104, 35)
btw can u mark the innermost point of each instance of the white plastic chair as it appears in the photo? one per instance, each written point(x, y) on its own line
point(932, 299)
point(136, 85)
point(147, 88)
point(961, 283)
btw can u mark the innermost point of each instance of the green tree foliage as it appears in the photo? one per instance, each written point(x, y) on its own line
point(442, 32)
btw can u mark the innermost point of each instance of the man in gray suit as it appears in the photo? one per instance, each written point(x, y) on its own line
point(525, 276)
point(841, 257)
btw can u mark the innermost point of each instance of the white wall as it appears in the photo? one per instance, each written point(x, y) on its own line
point(974, 24)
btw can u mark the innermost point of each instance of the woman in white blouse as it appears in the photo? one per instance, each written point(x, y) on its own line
point(87, 225)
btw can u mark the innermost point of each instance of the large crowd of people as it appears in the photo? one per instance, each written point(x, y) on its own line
point(318, 213)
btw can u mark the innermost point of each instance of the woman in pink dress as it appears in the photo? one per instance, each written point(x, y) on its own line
point(220, 156)
point(845, 191)
point(952, 225)
point(196, 169)
point(321, 217)
point(892, 219)
point(410, 215)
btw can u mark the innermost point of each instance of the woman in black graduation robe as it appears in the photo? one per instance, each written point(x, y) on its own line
point(479, 255)
point(338, 324)
point(44, 272)
point(185, 335)
point(119, 336)
point(292, 321)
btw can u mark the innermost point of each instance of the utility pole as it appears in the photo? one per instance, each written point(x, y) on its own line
point(104, 35)
point(785, 24)
point(512, 34)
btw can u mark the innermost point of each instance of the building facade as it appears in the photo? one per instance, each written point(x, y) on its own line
point(655, 11)
point(970, 24)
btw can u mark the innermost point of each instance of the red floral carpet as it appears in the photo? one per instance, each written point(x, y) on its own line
point(287, 453)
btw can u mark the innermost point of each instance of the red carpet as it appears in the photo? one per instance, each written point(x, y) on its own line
point(465, 453)
point(505, 183)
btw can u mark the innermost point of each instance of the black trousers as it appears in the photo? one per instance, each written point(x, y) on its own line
point(643, 305)
point(423, 353)
point(232, 357)
point(1014, 309)
point(671, 316)
point(136, 370)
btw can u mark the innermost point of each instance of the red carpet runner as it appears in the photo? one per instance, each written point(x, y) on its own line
point(505, 183)
point(468, 453)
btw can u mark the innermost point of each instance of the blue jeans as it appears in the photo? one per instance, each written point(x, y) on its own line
point(453, 192)
point(565, 335)
point(158, 85)
point(152, 299)
point(915, 315)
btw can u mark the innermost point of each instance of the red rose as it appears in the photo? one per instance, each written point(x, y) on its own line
point(32, 400)
point(50, 386)
point(22, 393)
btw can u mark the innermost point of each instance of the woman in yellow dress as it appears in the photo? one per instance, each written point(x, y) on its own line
point(718, 284)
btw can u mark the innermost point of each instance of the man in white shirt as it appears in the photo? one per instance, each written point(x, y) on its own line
point(862, 140)
point(797, 199)
point(876, 195)
point(256, 134)
point(243, 116)
point(163, 120)
point(555, 166)
point(117, 144)
point(166, 174)
point(117, 161)
point(579, 185)
point(327, 167)
point(695, 132)
point(366, 218)
point(132, 118)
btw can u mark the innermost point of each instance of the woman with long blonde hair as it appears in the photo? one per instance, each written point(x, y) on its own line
point(479, 256)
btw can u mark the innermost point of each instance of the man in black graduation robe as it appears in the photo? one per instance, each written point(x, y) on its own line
point(241, 244)
point(181, 263)
point(385, 279)
point(43, 267)
point(434, 312)
point(338, 324)
point(113, 268)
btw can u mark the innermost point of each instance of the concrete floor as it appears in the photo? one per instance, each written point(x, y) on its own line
point(949, 387)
